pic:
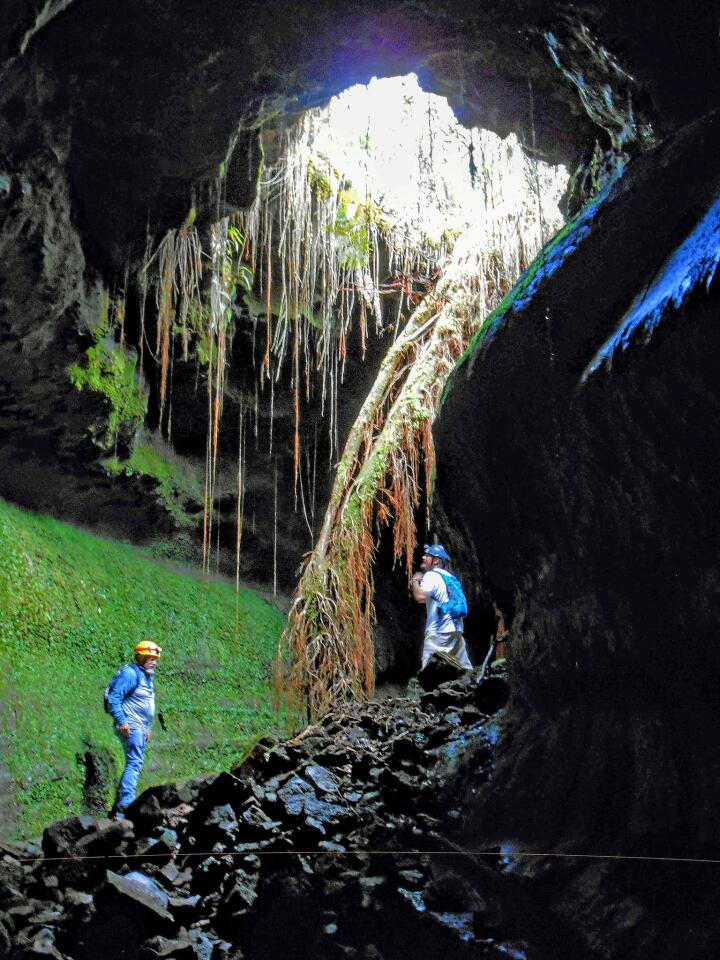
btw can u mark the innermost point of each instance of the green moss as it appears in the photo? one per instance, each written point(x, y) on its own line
point(72, 606)
point(110, 370)
point(449, 236)
point(174, 484)
point(320, 182)
point(352, 228)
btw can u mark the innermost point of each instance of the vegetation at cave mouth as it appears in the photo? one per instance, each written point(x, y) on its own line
point(72, 606)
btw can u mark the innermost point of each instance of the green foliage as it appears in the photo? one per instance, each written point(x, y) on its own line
point(72, 606)
point(174, 484)
point(320, 182)
point(351, 228)
point(198, 324)
point(352, 220)
point(240, 276)
point(110, 371)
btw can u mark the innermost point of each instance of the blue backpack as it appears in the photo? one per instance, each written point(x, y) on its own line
point(456, 607)
point(109, 687)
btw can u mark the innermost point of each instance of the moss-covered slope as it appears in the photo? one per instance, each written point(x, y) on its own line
point(71, 608)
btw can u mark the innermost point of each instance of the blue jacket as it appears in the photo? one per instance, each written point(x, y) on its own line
point(125, 692)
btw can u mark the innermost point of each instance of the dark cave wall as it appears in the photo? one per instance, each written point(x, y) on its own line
point(52, 436)
point(596, 505)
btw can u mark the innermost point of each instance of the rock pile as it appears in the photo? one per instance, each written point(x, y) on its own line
point(341, 843)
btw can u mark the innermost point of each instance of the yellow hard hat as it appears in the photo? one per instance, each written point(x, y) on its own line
point(146, 648)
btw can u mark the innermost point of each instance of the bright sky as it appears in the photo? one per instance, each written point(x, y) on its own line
point(404, 148)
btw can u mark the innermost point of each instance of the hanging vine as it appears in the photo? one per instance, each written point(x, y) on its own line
point(388, 452)
point(314, 254)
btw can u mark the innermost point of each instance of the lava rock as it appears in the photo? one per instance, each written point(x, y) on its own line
point(242, 893)
point(59, 838)
point(161, 947)
point(322, 778)
point(143, 890)
point(208, 874)
point(294, 794)
point(42, 944)
point(147, 810)
point(255, 822)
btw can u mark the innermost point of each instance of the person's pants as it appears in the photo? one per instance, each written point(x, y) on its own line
point(134, 747)
point(451, 644)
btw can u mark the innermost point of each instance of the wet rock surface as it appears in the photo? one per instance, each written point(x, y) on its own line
point(343, 842)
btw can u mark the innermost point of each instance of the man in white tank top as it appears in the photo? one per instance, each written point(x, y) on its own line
point(443, 634)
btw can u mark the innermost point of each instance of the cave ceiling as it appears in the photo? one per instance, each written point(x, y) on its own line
point(147, 98)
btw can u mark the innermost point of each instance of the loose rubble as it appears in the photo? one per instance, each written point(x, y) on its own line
point(344, 842)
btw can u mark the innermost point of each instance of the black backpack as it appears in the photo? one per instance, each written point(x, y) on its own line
point(110, 686)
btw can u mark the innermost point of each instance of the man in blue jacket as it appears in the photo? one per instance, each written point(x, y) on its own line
point(131, 702)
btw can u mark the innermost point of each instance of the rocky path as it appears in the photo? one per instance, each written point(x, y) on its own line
point(345, 842)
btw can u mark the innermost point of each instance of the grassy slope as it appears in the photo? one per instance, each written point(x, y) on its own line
point(72, 606)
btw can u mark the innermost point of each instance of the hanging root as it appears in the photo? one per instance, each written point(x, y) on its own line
point(329, 639)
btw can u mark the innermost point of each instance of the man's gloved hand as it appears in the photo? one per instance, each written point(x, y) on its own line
point(124, 729)
point(148, 736)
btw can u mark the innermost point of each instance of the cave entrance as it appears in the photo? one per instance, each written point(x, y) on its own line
point(366, 212)
point(381, 210)
point(362, 206)
point(364, 203)
point(391, 144)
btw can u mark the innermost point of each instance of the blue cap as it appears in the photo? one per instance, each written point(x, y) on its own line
point(436, 550)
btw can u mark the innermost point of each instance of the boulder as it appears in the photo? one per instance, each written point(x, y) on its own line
point(440, 668)
point(294, 794)
point(242, 893)
point(42, 944)
point(161, 947)
point(129, 910)
point(323, 779)
point(59, 838)
point(141, 889)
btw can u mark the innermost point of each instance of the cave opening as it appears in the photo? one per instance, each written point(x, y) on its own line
point(261, 331)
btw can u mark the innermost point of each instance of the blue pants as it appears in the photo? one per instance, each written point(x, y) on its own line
point(134, 747)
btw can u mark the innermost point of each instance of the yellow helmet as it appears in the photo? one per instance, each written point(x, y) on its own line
point(146, 648)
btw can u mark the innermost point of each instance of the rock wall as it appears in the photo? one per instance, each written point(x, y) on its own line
point(592, 499)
